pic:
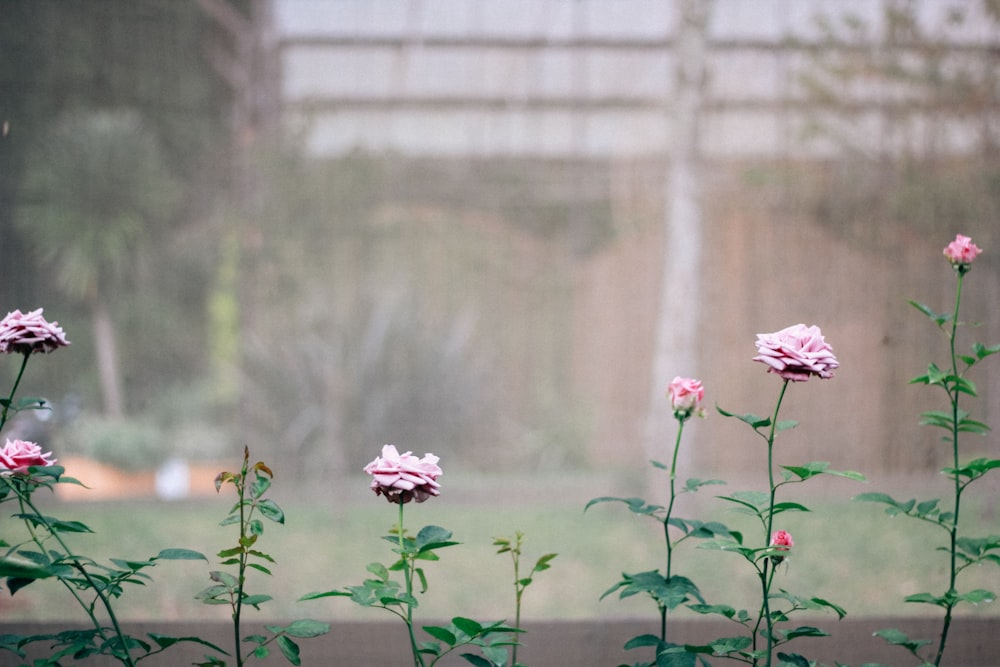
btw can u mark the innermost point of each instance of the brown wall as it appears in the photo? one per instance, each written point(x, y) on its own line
point(972, 643)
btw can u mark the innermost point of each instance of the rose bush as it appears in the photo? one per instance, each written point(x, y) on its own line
point(796, 353)
point(30, 332)
point(686, 395)
point(18, 455)
point(404, 477)
point(961, 251)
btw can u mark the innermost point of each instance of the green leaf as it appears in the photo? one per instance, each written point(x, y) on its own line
point(316, 595)
point(974, 469)
point(804, 631)
point(976, 547)
point(467, 625)
point(895, 506)
point(642, 641)
point(899, 638)
point(163, 641)
point(789, 507)
point(784, 425)
point(496, 654)
point(966, 425)
point(939, 319)
point(270, 510)
point(636, 505)
point(256, 600)
point(433, 537)
point(981, 351)
point(694, 484)
point(814, 468)
point(793, 659)
point(721, 609)
point(964, 385)
point(23, 569)
point(977, 596)
point(937, 418)
point(260, 485)
point(721, 646)
point(476, 660)
point(753, 420)
point(53, 524)
point(837, 609)
point(289, 649)
point(927, 598)
point(224, 578)
point(303, 628)
point(441, 634)
point(180, 554)
point(542, 563)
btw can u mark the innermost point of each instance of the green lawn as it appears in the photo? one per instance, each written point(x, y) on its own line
point(849, 553)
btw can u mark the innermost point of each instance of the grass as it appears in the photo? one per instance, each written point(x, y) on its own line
point(847, 552)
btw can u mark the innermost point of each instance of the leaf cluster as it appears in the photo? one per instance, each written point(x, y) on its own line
point(70, 646)
point(381, 590)
point(492, 641)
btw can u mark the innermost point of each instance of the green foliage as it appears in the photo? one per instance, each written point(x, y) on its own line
point(381, 591)
point(251, 484)
point(45, 555)
point(491, 640)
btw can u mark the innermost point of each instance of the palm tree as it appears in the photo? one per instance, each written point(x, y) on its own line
point(97, 183)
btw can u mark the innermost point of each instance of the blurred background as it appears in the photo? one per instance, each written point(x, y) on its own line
point(493, 231)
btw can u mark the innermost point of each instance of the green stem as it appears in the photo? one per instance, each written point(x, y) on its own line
point(408, 566)
point(515, 555)
point(953, 395)
point(238, 602)
point(666, 523)
point(765, 580)
point(13, 390)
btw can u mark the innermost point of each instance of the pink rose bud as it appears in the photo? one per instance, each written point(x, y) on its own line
point(781, 540)
point(25, 333)
point(686, 395)
point(961, 252)
point(796, 353)
point(403, 477)
point(18, 455)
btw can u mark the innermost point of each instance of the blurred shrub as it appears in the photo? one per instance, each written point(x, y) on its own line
point(129, 444)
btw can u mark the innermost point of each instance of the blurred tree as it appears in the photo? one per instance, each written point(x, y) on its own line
point(678, 322)
point(59, 59)
point(98, 182)
point(911, 105)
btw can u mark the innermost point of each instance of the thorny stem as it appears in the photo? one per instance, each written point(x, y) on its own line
point(13, 390)
point(515, 555)
point(238, 602)
point(764, 579)
point(953, 396)
point(666, 524)
point(407, 559)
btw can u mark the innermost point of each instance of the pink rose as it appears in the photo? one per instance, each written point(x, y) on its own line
point(796, 353)
point(403, 477)
point(29, 332)
point(781, 541)
point(18, 455)
point(961, 252)
point(685, 396)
